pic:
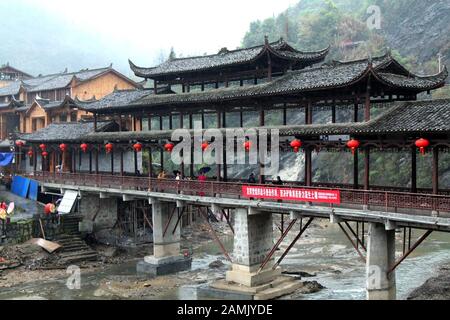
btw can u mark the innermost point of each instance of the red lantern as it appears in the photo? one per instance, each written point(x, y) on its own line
point(353, 144)
point(205, 146)
point(137, 147)
point(84, 147)
point(43, 147)
point(30, 153)
point(109, 147)
point(63, 147)
point(169, 146)
point(49, 208)
point(247, 145)
point(296, 145)
point(422, 144)
point(45, 154)
point(19, 143)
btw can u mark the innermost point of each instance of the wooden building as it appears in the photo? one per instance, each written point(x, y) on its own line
point(50, 98)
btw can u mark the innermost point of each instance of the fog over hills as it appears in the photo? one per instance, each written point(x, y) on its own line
point(40, 43)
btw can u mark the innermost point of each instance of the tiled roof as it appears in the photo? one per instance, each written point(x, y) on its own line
point(11, 89)
point(334, 75)
point(65, 131)
point(53, 81)
point(117, 98)
point(227, 58)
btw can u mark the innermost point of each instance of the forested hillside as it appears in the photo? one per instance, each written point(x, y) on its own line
point(415, 30)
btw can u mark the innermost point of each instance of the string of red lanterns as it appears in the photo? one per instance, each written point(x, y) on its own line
point(43, 147)
point(63, 147)
point(20, 143)
point(30, 153)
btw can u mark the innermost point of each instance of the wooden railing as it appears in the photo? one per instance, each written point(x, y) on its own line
point(390, 200)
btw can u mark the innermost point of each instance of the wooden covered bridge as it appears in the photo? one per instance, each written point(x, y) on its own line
point(366, 107)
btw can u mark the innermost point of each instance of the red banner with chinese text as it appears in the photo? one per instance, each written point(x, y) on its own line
point(292, 194)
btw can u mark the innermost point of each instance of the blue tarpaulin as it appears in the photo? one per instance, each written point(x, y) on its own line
point(20, 185)
point(6, 158)
point(33, 192)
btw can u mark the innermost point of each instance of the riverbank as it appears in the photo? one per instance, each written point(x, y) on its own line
point(435, 288)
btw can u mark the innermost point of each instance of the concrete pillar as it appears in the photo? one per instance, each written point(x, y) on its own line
point(166, 257)
point(380, 258)
point(169, 244)
point(253, 239)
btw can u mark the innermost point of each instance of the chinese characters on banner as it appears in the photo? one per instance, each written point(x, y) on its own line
point(292, 194)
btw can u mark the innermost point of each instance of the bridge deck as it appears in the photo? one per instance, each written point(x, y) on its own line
point(405, 209)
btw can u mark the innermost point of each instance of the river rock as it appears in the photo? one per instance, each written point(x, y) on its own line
point(311, 287)
point(216, 264)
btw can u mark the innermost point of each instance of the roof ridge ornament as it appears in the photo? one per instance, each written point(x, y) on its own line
point(266, 40)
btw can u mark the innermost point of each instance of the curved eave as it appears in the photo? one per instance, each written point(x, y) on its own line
point(431, 82)
point(315, 56)
point(234, 94)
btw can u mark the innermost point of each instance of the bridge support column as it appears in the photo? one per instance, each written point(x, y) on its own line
point(166, 256)
point(380, 258)
point(253, 240)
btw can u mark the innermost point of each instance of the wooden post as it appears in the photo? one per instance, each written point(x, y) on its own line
point(90, 161)
point(308, 113)
point(225, 178)
point(150, 162)
point(261, 117)
point(112, 162)
point(241, 118)
point(367, 168)
point(155, 87)
point(367, 102)
point(136, 167)
point(413, 169)
point(308, 166)
point(333, 112)
point(35, 154)
point(355, 170)
point(269, 67)
point(149, 124)
point(284, 115)
point(355, 110)
point(95, 122)
point(121, 161)
point(96, 160)
point(160, 122)
point(435, 170)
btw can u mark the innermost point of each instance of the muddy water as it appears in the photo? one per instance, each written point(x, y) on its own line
point(325, 252)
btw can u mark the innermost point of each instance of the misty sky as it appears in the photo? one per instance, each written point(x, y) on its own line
point(145, 28)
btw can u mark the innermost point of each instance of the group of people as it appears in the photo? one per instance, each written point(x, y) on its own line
point(252, 179)
point(178, 176)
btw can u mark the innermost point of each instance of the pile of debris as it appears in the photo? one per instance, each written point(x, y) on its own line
point(41, 254)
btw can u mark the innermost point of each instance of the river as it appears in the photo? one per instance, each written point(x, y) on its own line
point(324, 251)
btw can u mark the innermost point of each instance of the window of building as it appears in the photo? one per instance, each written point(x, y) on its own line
point(73, 117)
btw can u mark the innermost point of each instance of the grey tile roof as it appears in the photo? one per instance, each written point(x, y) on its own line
point(404, 118)
point(52, 81)
point(12, 103)
point(227, 58)
point(63, 80)
point(117, 98)
point(334, 75)
point(65, 131)
point(11, 89)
